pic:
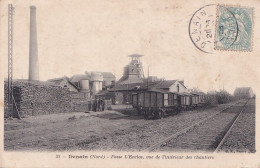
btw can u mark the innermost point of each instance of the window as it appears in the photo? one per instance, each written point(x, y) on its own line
point(178, 88)
point(171, 99)
point(166, 99)
point(175, 99)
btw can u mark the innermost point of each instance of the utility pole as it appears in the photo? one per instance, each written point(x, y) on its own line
point(10, 59)
point(148, 79)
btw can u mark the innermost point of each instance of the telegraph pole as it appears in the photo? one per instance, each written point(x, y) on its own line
point(148, 79)
point(10, 59)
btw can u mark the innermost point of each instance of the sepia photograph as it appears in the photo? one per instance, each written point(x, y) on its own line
point(112, 83)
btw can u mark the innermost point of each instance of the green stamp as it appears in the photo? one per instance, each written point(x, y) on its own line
point(234, 28)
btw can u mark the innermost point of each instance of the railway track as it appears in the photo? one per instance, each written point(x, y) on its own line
point(206, 135)
point(61, 136)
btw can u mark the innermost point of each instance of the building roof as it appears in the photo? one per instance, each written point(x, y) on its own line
point(102, 92)
point(135, 55)
point(159, 90)
point(78, 77)
point(242, 90)
point(107, 75)
point(185, 94)
point(156, 85)
point(58, 79)
point(65, 78)
point(130, 79)
point(127, 87)
point(165, 84)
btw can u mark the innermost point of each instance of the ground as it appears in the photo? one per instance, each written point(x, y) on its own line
point(108, 130)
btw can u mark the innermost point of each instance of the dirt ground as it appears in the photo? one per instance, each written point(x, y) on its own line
point(107, 130)
point(242, 136)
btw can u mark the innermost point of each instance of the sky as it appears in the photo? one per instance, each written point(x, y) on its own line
point(84, 35)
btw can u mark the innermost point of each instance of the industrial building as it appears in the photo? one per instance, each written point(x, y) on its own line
point(133, 72)
point(34, 97)
point(244, 92)
point(90, 83)
point(133, 81)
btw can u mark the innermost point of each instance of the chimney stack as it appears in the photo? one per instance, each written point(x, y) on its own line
point(33, 48)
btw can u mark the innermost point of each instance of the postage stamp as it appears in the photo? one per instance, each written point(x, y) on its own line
point(234, 28)
point(218, 27)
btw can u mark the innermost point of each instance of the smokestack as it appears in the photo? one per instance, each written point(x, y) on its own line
point(33, 48)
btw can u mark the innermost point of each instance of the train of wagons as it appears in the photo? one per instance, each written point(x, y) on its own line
point(158, 103)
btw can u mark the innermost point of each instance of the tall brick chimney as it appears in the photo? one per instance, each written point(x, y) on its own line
point(33, 48)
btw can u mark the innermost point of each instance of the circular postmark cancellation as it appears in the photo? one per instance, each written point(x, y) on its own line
point(218, 27)
point(227, 27)
point(202, 28)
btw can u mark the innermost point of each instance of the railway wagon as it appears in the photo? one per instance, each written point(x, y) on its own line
point(184, 101)
point(155, 103)
point(194, 100)
point(202, 98)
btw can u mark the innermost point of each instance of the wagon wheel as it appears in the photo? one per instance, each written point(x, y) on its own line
point(159, 114)
point(162, 114)
point(138, 111)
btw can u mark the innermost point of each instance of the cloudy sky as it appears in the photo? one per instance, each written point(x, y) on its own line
point(86, 35)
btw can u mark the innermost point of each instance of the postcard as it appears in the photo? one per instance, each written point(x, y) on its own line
point(132, 83)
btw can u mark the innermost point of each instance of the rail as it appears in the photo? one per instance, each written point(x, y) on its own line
point(151, 148)
point(230, 128)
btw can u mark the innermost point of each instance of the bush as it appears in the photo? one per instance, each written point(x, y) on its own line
point(220, 97)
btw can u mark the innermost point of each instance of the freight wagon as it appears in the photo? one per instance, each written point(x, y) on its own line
point(202, 98)
point(158, 103)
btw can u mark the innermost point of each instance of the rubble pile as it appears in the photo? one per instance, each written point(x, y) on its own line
point(38, 98)
point(79, 102)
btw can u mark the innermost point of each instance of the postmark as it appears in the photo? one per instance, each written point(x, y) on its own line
point(234, 28)
point(202, 28)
